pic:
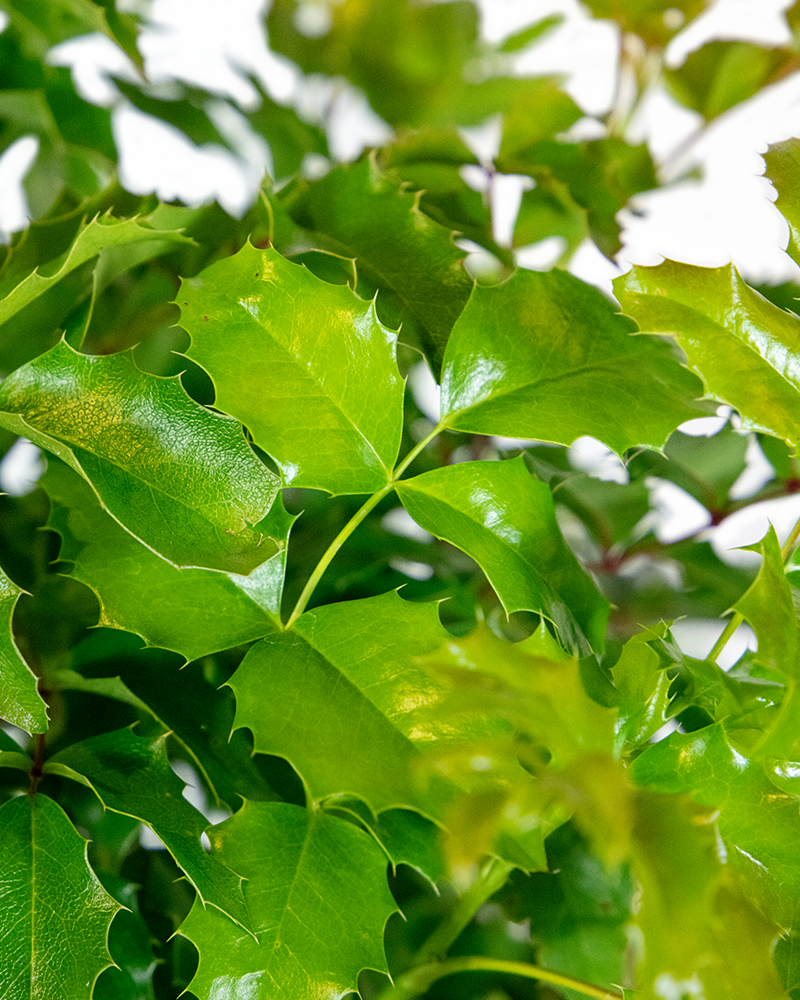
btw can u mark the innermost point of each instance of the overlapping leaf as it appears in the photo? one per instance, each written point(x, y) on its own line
point(193, 611)
point(131, 946)
point(545, 356)
point(743, 347)
point(318, 898)
point(400, 253)
point(56, 914)
point(20, 701)
point(177, 476)
point(132, 776)
point(320, 390)
point(502, 517)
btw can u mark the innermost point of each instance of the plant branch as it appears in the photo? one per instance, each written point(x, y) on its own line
point(416, 981)
point(353, 523)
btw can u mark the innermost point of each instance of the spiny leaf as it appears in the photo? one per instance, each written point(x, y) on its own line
point(193, 611)
point(318, 898)
point(545, 356)
point(743, 347)
point(768, 607)
point(102, 232)
point(502, 517)
point(20, 701)
point(178, 477)
point(56, 914)
point(319, 388)
point(400, 253)
point(131, 945)
point(132, 776)
point(783, 169)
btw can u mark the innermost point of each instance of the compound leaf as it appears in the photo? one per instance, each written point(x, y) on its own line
point(178, 477)
point(743, 347)
point(505, 520)
point(318, 898)
point(545, 356)
point(20, 701)
point(48, 888)
point(132, 776)
point(193, 611)
point(305, 364)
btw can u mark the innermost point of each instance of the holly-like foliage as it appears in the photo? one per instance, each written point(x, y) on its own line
point(417, 672)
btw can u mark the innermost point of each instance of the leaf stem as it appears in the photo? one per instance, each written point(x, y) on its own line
point(416, 981)
point(738, 618)
point(354, 522)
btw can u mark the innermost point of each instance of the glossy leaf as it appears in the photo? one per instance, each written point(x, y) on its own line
point(98, 235)
point(642, 684)
point(175, 475)
point(742, 346)
point(783, 169)
point(132, 776)
point(319, 390)
point(193, 611)
point(56, 914)
point(131, 945)
point(545, 356)
point(318, 898)
point(20, 701)
point(340, 696)
point(400, 253)
point(505, 520)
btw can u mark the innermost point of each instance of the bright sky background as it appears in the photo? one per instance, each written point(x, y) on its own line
point(727, 215)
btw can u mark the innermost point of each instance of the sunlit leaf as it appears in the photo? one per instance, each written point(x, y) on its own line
point(505, 520)
point(318, 898)
point(783, 169)
point(20, 701)
point(177, 476)
point(319, 389)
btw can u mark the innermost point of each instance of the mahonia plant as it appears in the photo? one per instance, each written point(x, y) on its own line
point(417, 674)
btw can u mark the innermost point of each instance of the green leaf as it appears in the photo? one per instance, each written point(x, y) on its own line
point(101, 233)
point(318, 898)
point(351, 669)
point(647, 17)
point(768, 607)
point(642, 684)
point(175, 475)
point(400, 253)
point(56, 914)
point(20, 701)
point(193, 611)
point(545, 356)
point(505, 520)
point(743, 347)
point(783, 169)
point(132, 776)
point(522, 39)
point(131, 946)
point(304, 364)
point(721, 74)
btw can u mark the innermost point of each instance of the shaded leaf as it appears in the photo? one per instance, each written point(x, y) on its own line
point(175, 475)
point(193, 611)
point(400, 253)
point(545, 356)
point(505, 520)
point(132, 776)
point(20, 701)
point(319, 390)
point(318, 898)
point(131, 945)
point(48, 888)
point(743, 347)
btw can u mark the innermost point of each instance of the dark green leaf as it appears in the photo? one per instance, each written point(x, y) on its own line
point(505, 520)
point(178, 477)
point(742, 346)
point(318, 898)
point(131, 946)
point(20, 701)
point(268, 331)
point(132, 776)
point(56, 914)
point(545, 356)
